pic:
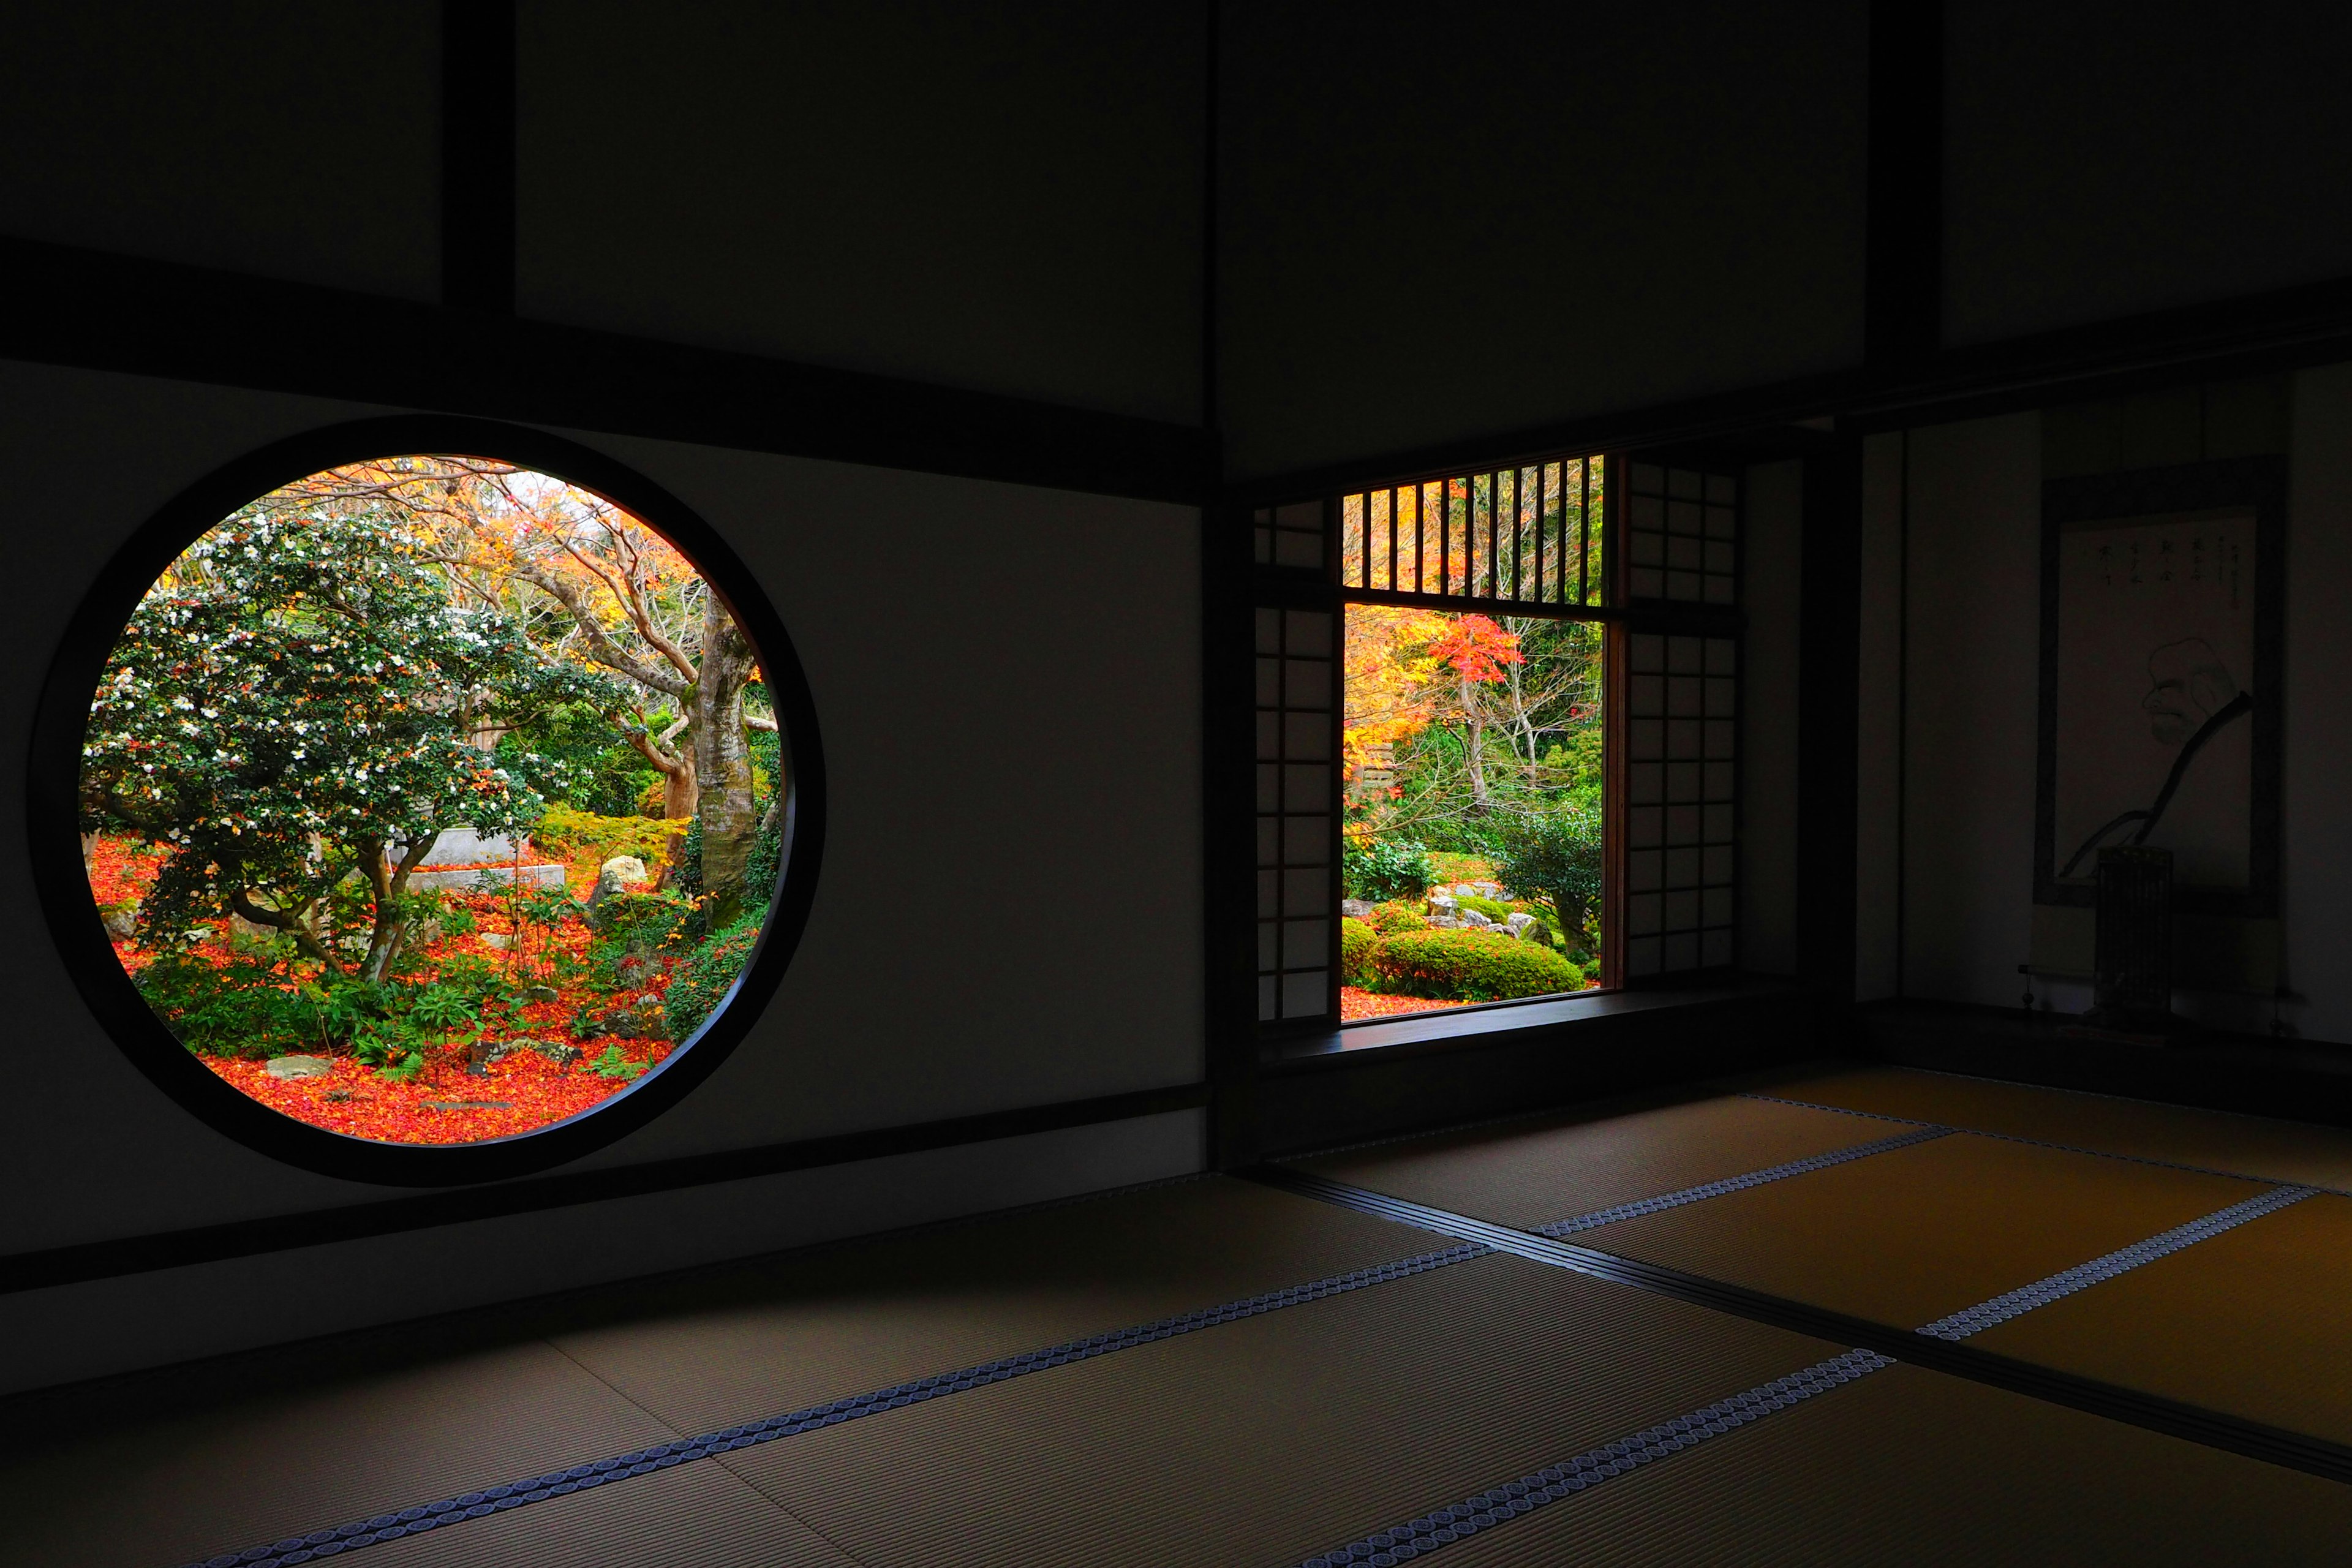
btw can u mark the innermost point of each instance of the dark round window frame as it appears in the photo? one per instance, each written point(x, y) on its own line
point(63, 885)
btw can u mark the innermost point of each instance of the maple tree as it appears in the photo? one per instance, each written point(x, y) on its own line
point(596, 586)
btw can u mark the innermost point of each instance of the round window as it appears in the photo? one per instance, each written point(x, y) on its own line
point(435, 814)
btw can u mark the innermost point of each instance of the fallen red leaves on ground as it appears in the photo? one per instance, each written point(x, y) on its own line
point(443, 1104)
point(528, 1090)
point(1356, 1004)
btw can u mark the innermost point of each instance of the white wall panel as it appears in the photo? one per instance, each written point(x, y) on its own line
point(2112, 156)
point(1000, 197)
point(1006, 681)
point(289, 140)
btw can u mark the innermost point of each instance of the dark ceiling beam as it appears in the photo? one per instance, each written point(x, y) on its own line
point(98, 310)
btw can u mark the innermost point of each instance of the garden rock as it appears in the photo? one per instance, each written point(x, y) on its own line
point(1356, 909)
point(497, 942)
point(621, 874)
point(122, 920)
point(1442, 904)
point(1476, 921)
point(539, 994)
point(488, 1052)
point(1522, 924)
point(641, 1020)
point(288, 1068)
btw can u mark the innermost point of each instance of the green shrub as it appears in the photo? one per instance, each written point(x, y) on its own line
point(1554, 856)
point(577, 835)
point(1472, 966)
point(1357, 943)
point(1397, 915)
point(701, 981)
point(641, 922)
point(1379, 869)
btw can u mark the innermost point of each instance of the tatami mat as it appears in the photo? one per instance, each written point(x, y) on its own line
point(1906, 1237)
point(2254, 1146)
point(2256, 1322)
point(698, 1516)
point(1908, 1468)
point(1265, 1441)
point(154, 1494)
point(853, 1319)
point(1529, 1174)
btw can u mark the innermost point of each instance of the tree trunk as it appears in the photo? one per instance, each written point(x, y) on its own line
point(387, 882)
point(722, 764)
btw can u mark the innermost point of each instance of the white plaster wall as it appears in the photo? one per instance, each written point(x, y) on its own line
point(2316, 791)
point(1877, 761)
point(1772, 565)
point(71, 1332)
point(1973, 675)
point(1006, 681)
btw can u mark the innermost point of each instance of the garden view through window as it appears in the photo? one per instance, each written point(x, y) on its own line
point(432, 799)
point(1472, 836)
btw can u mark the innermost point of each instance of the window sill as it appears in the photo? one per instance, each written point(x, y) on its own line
point(1500, 1023)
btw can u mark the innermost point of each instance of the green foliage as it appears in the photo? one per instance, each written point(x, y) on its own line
point(613, 1064)
point(241, 1008)
point(1379, 870)
point(1357, 942)
point(701, 981)
point(1397, 915)
point(640, 922)
point(1555, 856)
point(573, 752)
point(443, 1007)
point(578, 835)
point(1472, 966)
point(408, 1068)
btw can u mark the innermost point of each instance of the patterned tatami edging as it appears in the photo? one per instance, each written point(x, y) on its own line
point(2034, 1142)
point(1554, 1483)
point(360, 1534)
point(1636, 1209)
point(1934, 1346)
point(1976, 1319)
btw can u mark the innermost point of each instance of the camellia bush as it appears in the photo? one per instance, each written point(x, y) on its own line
point(288, 707)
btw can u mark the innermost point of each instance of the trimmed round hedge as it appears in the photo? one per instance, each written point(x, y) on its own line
point(1357, 943)
point(1471, 965)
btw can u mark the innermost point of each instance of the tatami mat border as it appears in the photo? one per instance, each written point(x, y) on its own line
point(2036, 1142)
point(1499, 1505)
point(1769, 1174)
point(2171, 1418)
point(443, 1512)
point(2082, 1276)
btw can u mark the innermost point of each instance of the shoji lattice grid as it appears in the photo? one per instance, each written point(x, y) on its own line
point(1297, 694)
point(1290, 535)
point(1681, 783)
point(1682, 540)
